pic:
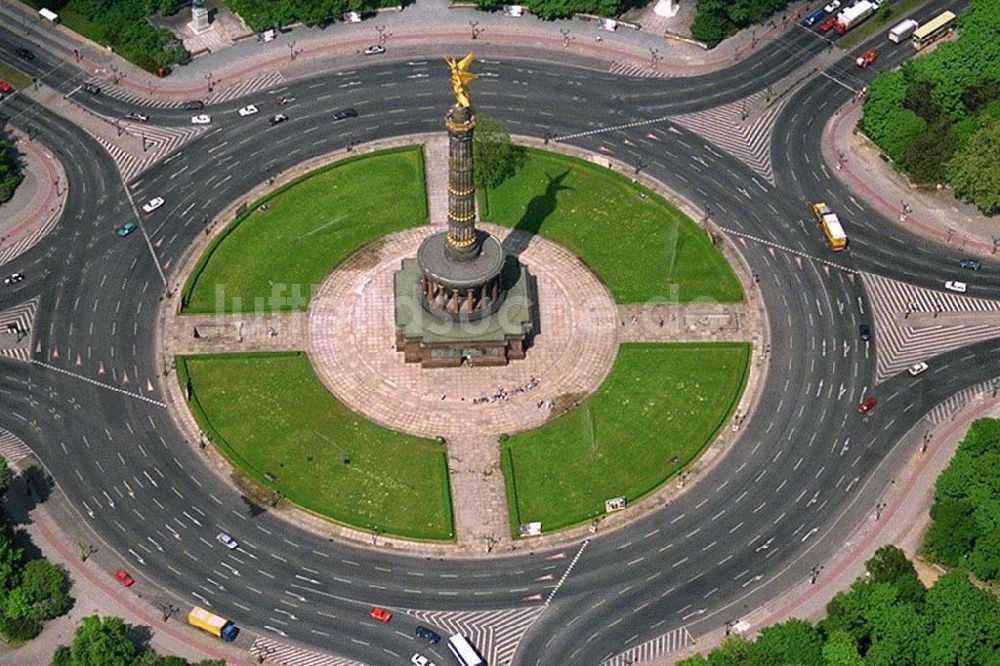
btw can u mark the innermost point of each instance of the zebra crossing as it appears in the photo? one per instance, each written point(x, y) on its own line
point(626, 69)
point(744, 135)
point(902, 341)
point(12, 447)
point(17, 345)
point(268, 650)
point(943, 411)
point(246, 87)
point(28, 241)
point(496, 634)
point(114, 90)
point(656, 648)
point(160, 142)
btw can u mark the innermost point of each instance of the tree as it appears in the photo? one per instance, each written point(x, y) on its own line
point(791, 642)
point(5, 476)
point(972, 171)
point(495, 157)
point(103, 641)
point(840, 650)
point(963, 622)
point(41, 594)
point(10, 171)
point(10, 562)
point(890, 565)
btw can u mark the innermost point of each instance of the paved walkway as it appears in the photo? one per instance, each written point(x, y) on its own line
point(935, 215)
point(37, 202)
point(684, 322)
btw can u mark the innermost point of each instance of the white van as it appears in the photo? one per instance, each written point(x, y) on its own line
point(464, 652)
point(902, 31)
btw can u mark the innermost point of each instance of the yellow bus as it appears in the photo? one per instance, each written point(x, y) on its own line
point(832, 228)
point(933, 30)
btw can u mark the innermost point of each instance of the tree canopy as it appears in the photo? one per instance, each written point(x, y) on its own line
point(717, 19)
point(10, 176)
point(495, 157)
point(108, 641)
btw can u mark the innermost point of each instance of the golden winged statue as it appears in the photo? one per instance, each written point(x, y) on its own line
point(460, 77)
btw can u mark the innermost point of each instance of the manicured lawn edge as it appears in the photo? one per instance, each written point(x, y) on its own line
point(214, 244)
point(507, 462)
point(249, 470)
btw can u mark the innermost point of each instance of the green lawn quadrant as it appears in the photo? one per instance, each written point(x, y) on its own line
point(637, 243)
point(275, 420)
point(309, 226)
point(658, 408)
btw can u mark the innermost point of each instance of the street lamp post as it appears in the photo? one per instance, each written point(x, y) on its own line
point(291, 50)
point(654, 56)
point(211, 84)
point(476, 30)
point(565, 35)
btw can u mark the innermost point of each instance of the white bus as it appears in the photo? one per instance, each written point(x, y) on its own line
point(902, 30)
point(464, 652)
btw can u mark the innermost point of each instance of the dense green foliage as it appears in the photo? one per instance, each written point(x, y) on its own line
point(277, 422)
point(319, 219)
point(885, 618)
point(10, 170)
point(966, 510)
point(717, 19)
point(108, 641)
point(659, 406)
point(123, 25)
point(265, 14)
point(31, 590)
point(553, 9)
point(642, 247)
point(496, 158)
point(938, 117)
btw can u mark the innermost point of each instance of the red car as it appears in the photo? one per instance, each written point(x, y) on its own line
point(124, 578)
point(5, 87)
point(867, 404)
point(827, 23)
point(380, 614)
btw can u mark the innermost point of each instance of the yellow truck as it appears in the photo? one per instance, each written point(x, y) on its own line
point(213, 624)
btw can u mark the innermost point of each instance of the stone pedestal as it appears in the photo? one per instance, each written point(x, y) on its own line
point(666, 8)
point(199, 20)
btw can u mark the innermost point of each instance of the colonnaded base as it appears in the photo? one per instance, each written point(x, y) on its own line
point(496, 334)
point(352, 344)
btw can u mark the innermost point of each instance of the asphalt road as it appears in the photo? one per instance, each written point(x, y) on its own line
point(807, 468)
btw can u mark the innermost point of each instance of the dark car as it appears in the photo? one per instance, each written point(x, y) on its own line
point(277, 119)
point(344, 114)
point(135, 115)
point(193, 105)
point(865, 332)
point(428, 635)
point(24, 53)
point(92, 89)
point(971, 264)
point(867, 404)
point(811, 19)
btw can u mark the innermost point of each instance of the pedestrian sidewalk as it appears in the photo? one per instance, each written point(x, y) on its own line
point(37, 202)
point(901, 518)
point(423, 23)
point(936, 215)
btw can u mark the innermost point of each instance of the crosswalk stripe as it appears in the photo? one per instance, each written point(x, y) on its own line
point(495, 633)
point(162, 141)
point(899, 345)
point(247, 87)
point(747, 139)
point(655, 648)
point(12, 447)
point(276, 652)
point(23, 315)
point(625, 69)
point(25, 243)
point(109, 88)
point(944, 410)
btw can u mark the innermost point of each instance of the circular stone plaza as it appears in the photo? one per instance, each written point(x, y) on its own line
point(391, 364)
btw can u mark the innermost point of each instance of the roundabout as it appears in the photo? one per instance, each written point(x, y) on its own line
point(744, 533)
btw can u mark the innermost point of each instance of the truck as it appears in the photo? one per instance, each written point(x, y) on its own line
point(213, 624)
point(867, 58)
point(832, 228)
point(854, 15)
point(902, 31)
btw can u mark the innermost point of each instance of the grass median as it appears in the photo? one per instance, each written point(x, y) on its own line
point(274, 419)
point(659, 407)
point(641, 246)
point(271, 256)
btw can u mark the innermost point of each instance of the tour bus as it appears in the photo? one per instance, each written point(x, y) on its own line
point(464, 652)
point(933, 30)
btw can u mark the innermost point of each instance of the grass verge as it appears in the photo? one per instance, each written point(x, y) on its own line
point(876, 23)
point(659, 407)
point(274, 419)
point(643, 248)
point(14, 76)
point(270, 260)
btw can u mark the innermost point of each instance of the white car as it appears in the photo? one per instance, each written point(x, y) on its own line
point(955, 285)
point(227, 541)
point(13, 279)
point(152, 204)
point(915, 370)
point(201, 119)
point(248, 110)
point(420, 660)
point(832, 7)
point(374, 49)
